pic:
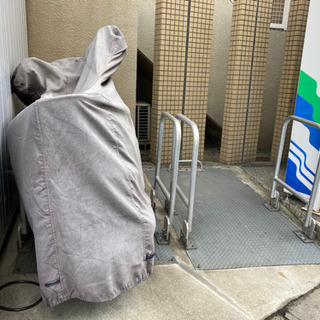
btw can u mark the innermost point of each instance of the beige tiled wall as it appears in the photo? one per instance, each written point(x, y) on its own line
point(290, 70)
point(238, 81)
point(170, 75)
point(64, 28)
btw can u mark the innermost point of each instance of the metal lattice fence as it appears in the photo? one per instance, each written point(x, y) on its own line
point(13, 48)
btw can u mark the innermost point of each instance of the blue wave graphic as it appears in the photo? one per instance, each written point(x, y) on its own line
point(304, 110)
point(300, 164)
point(291, 179)
point(314, 137)
point(305, 159)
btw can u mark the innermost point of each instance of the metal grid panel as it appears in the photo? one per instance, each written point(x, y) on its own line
point(13, 48)
point(164, 253)
point(232, 228)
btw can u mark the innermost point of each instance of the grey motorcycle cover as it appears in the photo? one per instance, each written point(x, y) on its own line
point(77, 165)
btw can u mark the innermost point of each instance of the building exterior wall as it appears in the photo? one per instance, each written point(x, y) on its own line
point(181, 69)
point(271, 89)
point(56, 29)
point(64, 28)
point(219, 69)
point(245, 81)
point(219, 65)
point(290, 70)
point(146, 20)
point(219, 59)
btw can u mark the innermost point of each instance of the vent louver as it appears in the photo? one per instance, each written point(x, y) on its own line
point(143, 121)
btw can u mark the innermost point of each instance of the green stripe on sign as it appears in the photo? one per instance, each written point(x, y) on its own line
point(307, 90)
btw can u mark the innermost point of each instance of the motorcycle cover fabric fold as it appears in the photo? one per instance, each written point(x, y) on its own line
point(77, 165)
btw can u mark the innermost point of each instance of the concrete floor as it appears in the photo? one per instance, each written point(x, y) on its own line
point(177, 291)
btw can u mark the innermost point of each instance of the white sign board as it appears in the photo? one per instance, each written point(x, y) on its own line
point(305, 140)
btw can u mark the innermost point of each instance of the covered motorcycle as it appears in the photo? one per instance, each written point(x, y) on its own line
point(77, 165)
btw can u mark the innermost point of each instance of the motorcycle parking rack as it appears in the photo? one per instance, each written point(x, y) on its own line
point(307, 234)
point(170, 195)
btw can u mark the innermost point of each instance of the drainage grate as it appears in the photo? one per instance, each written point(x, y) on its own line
point(232, 228)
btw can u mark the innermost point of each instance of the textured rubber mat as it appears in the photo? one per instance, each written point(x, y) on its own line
point(232, 228)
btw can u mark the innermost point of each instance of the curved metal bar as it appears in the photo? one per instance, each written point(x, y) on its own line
point(308, 220)
point(282, 141)
point(176, 142)
point(188, 161)
point(194, 163)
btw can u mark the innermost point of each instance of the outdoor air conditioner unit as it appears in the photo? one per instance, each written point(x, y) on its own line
point(143, 120)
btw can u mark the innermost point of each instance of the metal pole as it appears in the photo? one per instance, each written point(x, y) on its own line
point(175, 168)
point(279, 157)
point(159, 151)
point(194, 163)
point(308, 231)
point(314, 190)
point(23, 217)
point(176, 141)
point(185, 73)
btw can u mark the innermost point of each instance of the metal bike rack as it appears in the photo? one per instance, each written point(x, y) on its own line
point(189, 202)
point(164, 237)
point(308, 231)
point(189, 161)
